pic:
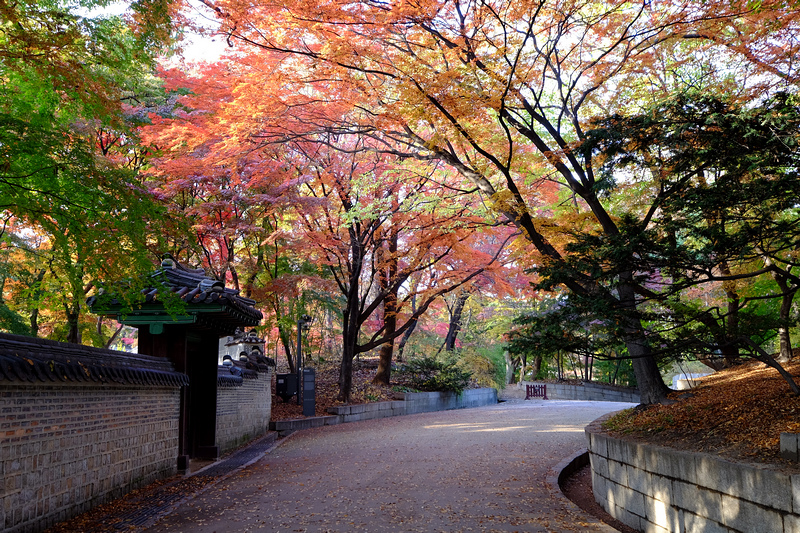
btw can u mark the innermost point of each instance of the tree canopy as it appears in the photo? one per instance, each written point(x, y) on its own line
point(368, 159)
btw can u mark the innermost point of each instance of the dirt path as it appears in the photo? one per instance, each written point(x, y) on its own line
point(469, 470)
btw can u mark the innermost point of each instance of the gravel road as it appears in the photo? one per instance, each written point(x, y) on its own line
point(480, 469)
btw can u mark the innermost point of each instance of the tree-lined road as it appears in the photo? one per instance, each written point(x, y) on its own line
point(478, 469)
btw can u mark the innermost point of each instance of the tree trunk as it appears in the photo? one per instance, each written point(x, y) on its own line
point(34, 321)
point(509, 368)
point(349, 344)
point(648, 378)
point(73, 331)
point(388, 274)
point(350, 316)
point(730, 348)
point(651, 386)
point(784, 338)
point(455, 321)
point(37, 292)
point(286, 341)
point(401, 346)
point(537, 367)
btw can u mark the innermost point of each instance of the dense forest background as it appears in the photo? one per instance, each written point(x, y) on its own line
point(597, 190)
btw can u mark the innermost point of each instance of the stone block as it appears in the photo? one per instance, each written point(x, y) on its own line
point(742, 515)
point(628, 518)
point(630, 500)
point(649, 527)
point(717, 474)
point(618, 472)
point(599, 464)
point(639, 480)
point(356, 409)
point(617, 450)
point(697, 500)
point(691, 522)
point(790, 444)
point(660, 513)
point(661, 461)
point(637, 454)
point(796, 494)
point(791, 523)
point(769, 488)
point(600, 488)
point(598, 443)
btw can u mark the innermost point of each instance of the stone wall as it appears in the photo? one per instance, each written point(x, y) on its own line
point(412, 402)
point(585, 391)
point(80, 426)
point(659, 490)
point(243, 411)
point(416, 402)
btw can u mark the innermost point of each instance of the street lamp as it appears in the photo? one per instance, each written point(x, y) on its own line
point(303, 323)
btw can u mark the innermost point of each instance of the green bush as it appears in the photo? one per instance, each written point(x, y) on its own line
point(486, 365)
point(430, 374)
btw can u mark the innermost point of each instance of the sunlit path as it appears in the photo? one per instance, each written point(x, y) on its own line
point(468, 470)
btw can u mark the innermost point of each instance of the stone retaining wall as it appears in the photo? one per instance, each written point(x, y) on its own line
point(585, 391)
point(243, 412)
point(412, 402)
point(416, 402)
point(660, 490)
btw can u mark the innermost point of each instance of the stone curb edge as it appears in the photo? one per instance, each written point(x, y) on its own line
point(212, 482)
point(558, 474)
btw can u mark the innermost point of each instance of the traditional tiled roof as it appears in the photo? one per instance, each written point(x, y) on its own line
point(29, 359)
point(208, 303)
point(233, 372)
point(228, 378)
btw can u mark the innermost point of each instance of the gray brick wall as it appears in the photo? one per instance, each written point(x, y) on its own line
point(657, 489)
point(65, 448)
point(243, 412)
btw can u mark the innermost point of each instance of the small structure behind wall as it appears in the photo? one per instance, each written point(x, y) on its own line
point(244, 393)
point(190, 341)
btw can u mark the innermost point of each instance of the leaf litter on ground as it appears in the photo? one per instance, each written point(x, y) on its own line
point(737, 413)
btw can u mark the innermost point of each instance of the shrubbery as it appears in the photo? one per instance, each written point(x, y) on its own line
point(431, 374)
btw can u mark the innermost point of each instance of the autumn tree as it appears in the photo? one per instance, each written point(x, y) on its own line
point(502, 91)
point(722, 185)
point(68, 175)
point(375, 225)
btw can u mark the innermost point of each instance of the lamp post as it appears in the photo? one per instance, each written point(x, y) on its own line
point(303, 323)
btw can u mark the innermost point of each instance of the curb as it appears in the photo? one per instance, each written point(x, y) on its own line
point(561, 472)
point(146, 517)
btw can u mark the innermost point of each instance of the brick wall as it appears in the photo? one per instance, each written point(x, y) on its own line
point(66, 447)
point(243, 412)
point(662, 490)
